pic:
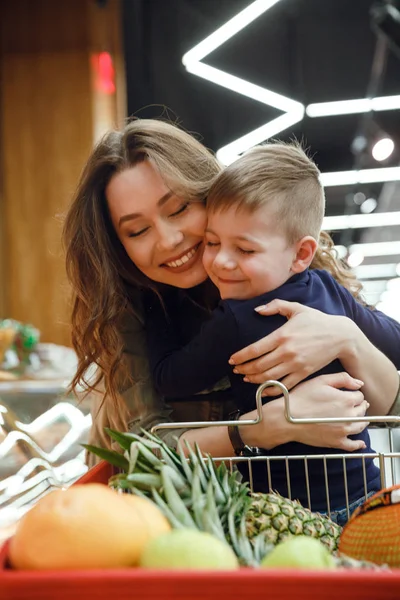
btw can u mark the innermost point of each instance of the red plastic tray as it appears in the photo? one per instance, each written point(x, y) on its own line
point(127, 584)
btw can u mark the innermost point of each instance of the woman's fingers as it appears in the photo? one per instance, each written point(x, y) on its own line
point(352, 445)
point(289, 382)
point(256, 350)
point(276, 373)
point(257, 366)
point(281, 307)
point(341, 380)
point(293, 379)
point(360, 409)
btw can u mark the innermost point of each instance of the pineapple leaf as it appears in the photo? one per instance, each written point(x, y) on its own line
point(193, 460)
point(212, 513)
point(163, 506)
point(175, 501)
point(220, 495)
point(225, 482)
point(121, 484)
point(240, 544)
point(197, 498)
point(143, 439)
point(137, 492)
point(211, 527)
point(149, 456)
point(261, 547)
point(133, 454)
point(185, 465)
point(202, 460)
point(145, 481)
point(153, 440)
point(123, 439)
point(176, 478)
point(114, 458)
point(172, 459)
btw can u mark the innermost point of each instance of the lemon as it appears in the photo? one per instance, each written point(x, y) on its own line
point(188, 549)
point(299, 552)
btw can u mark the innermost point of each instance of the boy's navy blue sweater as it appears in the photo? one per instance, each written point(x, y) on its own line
point(180, 370)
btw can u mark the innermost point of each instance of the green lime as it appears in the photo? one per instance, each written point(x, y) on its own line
point(188, 549)
point(299, 552)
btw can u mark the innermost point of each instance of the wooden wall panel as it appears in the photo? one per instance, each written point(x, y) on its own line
point(48, 123)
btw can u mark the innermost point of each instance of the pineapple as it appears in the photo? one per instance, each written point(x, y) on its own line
point(193, 492)
point(279, 518)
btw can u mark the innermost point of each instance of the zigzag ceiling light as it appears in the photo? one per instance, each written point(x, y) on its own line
point(293, 111)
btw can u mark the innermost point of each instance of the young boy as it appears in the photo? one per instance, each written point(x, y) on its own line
point(265, 214)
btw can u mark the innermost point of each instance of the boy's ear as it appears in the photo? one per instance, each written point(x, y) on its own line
point(305, 252)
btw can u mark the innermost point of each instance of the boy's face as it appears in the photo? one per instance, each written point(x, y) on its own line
point(245, 254)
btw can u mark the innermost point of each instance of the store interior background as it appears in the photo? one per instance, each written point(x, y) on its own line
point(70, 70)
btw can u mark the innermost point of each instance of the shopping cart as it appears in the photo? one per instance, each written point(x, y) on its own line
point(387, 461)
point(212, 585)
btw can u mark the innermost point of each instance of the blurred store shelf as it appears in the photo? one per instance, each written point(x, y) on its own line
point(41, 432)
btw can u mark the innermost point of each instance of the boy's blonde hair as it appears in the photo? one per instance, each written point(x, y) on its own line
point(280, 176)
point(283, 177)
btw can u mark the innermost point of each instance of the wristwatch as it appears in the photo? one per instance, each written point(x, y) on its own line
point(234, 435)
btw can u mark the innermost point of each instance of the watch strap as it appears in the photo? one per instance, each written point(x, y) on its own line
point(234, 435)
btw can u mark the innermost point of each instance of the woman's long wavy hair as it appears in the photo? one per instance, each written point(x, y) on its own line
point(102, 276)
point(282, 176)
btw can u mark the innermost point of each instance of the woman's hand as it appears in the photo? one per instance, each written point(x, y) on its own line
point(318, 397)
point(321, 398)
point(307, 342)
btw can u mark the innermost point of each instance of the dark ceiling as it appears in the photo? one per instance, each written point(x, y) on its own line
point(308, 50)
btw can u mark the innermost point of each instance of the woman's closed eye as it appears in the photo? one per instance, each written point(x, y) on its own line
point(243, 251)
point(135, 234)
point(212, 244)
point(181, 209)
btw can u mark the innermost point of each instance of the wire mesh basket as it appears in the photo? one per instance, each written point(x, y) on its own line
point(254, 465)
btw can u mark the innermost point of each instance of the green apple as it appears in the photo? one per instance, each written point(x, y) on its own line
point(299, 552)
point(188, 549)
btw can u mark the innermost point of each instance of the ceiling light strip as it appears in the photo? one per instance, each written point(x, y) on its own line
point(228, 154)
point(359, 221)
point(352, 107)
point(376, 248)
point(339, 178)
point(241, 86)
point(342, 107)
point(228, 30)
point(376, 271)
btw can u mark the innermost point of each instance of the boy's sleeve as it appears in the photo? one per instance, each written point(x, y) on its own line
point(181, 371)
point(380, 329)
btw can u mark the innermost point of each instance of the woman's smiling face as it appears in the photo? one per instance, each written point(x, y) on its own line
point(162, 233)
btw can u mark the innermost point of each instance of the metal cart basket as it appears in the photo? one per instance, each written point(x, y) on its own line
point(387, 461)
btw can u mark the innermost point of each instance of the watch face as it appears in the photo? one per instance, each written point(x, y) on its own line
point(251, 451)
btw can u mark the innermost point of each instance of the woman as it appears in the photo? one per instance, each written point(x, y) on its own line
point(137, 221)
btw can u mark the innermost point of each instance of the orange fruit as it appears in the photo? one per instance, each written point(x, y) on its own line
point(85, 526)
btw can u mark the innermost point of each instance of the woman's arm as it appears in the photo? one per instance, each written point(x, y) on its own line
point(318, 397)
point(312, 339)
